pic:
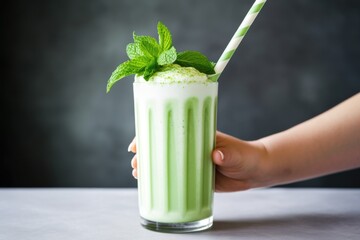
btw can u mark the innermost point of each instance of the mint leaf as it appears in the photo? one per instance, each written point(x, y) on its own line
point(150, 69)
point(133, 50)
point(196, 60)
point(165, 39)
point(127, 68)
point(148, 45)
point(167, 57)
point(148, 56)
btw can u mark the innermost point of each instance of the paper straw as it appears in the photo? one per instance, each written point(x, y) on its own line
point(236, 39)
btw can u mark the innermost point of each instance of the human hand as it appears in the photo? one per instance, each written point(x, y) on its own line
point(238, 163)
point(132, 148)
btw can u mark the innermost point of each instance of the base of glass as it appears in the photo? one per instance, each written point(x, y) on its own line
point(178, 227)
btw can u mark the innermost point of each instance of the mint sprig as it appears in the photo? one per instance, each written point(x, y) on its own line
point(147, 56)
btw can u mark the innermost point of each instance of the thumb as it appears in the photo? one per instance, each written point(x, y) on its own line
point(225, 153)
point(218, 156)
point(228, 170)
point(223, 157)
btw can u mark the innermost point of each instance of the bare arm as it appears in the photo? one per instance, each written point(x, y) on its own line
point(325, 144)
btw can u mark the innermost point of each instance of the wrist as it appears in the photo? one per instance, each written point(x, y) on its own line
point(265, 174)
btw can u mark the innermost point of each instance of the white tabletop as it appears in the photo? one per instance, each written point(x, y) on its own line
point(275, 213)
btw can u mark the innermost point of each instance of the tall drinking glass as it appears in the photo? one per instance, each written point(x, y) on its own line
point(175, 135)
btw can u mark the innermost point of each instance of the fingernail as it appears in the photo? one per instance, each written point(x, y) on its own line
point(221, 154)
point(133, 173)
point(129, 148)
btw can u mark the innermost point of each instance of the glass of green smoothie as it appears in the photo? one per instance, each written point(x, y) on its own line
point(175, 118)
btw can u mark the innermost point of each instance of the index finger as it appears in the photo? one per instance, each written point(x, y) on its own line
point(132, 146)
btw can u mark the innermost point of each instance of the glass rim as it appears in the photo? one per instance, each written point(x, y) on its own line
point(175, 83)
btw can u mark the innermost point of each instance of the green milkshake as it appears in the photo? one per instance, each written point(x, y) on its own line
point(175, 116)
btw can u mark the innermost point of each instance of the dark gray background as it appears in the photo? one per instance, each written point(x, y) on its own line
point(60, 129)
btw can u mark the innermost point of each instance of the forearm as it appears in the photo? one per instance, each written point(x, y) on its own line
point(325, 144)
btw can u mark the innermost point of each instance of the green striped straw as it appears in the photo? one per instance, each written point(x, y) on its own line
point(236, 39)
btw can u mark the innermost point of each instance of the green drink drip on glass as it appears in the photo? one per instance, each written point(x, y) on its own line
point(175, 116)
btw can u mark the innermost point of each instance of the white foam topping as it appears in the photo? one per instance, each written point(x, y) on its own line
point(175, 74)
